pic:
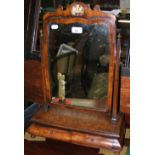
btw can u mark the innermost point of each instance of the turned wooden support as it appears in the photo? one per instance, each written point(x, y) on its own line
point(116, 80)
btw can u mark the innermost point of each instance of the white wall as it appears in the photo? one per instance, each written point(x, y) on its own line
point(125, 4)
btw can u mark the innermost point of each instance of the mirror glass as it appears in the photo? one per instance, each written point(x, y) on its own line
point(80, 52)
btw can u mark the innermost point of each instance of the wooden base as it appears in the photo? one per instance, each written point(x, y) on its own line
point(80, 126)
point(53, 147)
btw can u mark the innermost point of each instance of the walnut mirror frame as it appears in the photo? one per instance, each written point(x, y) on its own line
point(70, 16)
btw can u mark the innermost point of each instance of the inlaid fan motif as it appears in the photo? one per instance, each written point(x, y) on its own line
point(77, 10)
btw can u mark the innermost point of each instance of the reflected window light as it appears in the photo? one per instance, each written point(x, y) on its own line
point(123, 21)
point(54, 26)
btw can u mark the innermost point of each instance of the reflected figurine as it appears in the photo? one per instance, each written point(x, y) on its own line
point(61, 79)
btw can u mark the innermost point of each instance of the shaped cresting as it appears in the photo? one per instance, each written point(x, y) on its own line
point(81, 13)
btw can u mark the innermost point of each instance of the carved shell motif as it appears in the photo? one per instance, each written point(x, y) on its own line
point(77, 10)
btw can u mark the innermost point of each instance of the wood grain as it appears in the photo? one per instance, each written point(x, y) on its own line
point(79, 138)
point(53, 147)
point(33, 82)
point(125, 98)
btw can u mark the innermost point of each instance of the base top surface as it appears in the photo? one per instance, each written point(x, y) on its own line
point(83, 120)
